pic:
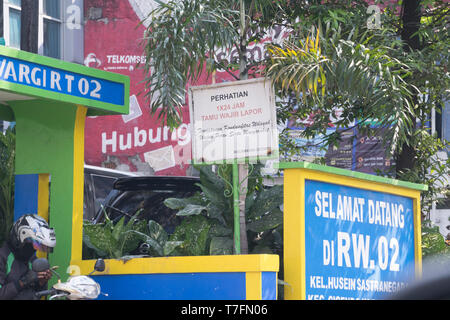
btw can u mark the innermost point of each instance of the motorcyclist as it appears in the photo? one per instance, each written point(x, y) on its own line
point(17, 279)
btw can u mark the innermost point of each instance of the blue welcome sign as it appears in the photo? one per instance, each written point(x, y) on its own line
point(348, 235)
point(358, 242)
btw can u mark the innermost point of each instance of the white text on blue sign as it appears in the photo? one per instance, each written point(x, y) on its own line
point(60, 81)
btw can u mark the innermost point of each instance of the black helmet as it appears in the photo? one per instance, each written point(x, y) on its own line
point(33, 229)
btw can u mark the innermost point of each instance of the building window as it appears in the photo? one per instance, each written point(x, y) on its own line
point(52, 39)
point(14, 28)
point(51, 25)
point(15, 2)
point(12, 19)
point(52, 8)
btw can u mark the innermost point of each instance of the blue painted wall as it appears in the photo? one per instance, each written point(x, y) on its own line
point(269, 285)
point(182, 286)
point(26, 194)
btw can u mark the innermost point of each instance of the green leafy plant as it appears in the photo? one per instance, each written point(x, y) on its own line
point(180, 39)
point(156, 240)
point(433, 242)
point(429, 169)
point(209, 226)
point(111, 240)
point(7, 156)
point(122, 239)
point(192, 234)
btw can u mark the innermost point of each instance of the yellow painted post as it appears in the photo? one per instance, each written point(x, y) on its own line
point(43, 202)
point(78, 183)
point(294, 259)
point(418, 234)
point(253, 284)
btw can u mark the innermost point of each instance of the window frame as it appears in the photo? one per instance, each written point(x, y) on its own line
point(41, 21)
point(7, 6)
point(42, 17)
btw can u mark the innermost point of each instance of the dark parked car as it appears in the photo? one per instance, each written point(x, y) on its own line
point(147, 193)
point(98, 183)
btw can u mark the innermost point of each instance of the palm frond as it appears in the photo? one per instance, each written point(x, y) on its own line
point(179, 44)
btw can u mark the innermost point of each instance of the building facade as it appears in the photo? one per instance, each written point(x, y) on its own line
point(57, 29)
point(59, 24)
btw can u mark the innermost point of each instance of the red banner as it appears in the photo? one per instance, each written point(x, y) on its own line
point(137, 142)
point(133, 142)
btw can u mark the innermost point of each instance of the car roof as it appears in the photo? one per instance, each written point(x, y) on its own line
point(108, 172)
point(157, 182)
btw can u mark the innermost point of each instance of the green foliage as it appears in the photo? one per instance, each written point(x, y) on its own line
point(326, 72)
point(429, 168)
point(192, 234)
point(331, 61)
point(183, 38)
point(179, 44)
point(209, 227)
point(157, 240)
point(122, 239)
point(111, 240)
point(7, 156)
point(433, 243)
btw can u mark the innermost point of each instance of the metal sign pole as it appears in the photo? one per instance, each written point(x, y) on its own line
point(237, 235)
point(238, 169)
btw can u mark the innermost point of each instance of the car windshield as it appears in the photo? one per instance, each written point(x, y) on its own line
point(102, 185)
point(151, 205)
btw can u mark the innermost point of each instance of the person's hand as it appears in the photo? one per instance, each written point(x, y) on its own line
point(29, 279)
point(44, 276)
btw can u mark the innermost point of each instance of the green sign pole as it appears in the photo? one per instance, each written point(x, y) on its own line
point(237, 235)
point(236, 182)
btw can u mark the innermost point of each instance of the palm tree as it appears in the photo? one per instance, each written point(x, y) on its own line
point(394, 76)
point(330, 62)
point(326, 72)
point(181, 43)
